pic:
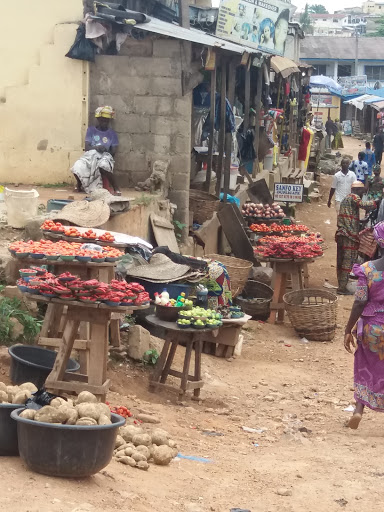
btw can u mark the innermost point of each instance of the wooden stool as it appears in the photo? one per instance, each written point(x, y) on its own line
point(192, 339)
point(281, 272)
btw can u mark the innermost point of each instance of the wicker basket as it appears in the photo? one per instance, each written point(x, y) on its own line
point(237, 269)
point(203, 205)
point(256, 299)
point(312, 313)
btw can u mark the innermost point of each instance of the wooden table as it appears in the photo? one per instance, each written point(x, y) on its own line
point(103, 272)
point(193, 339)
point(94, 378)
point(297, 270)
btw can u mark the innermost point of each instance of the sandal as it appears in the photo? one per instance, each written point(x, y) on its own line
point(117, 193)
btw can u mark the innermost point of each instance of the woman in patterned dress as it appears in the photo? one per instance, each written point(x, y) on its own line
point(368, 316)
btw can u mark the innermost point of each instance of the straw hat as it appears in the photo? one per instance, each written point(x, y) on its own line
point(160, 269)
point(357, 184)
point(87, 214)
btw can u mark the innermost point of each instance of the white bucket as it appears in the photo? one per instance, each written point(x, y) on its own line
point(22, 205)
point(233, 174)
point(268, 161)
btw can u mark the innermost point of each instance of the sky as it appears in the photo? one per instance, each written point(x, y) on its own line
point(328, 4)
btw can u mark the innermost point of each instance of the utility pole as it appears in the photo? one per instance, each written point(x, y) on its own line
point(184, 13)
point(356, 52)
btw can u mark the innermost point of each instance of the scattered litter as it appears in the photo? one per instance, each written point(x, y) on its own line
point(287, 345)
point(240, 510)
point(329, 285)
point(304, 340)
point(254, 430)
point(327, 221)
point(256, 445)
point(212, 433)
point(195, 459)
point(342, 502)
point(350, 408)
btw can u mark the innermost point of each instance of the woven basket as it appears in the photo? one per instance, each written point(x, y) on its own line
point(312, 313)
point(203, 205)
point(237, 269)
point(255, 299)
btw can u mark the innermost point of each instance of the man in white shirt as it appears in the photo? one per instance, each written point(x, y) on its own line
point(341, 185)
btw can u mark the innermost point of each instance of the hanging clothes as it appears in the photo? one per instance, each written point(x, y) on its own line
point(304, 142)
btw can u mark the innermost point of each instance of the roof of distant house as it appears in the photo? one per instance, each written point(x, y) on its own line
point(341, 48)
point(326, 16)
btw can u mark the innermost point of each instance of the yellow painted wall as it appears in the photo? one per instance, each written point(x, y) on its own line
point(41, 91)
point(335, 112)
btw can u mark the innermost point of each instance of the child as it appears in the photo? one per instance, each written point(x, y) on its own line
point(369, 158)
point(360, 167)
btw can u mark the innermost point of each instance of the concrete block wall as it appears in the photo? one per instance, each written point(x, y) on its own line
point(153, 118)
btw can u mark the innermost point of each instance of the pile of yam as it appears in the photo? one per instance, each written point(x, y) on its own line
point(136, 448)
point(16, 395)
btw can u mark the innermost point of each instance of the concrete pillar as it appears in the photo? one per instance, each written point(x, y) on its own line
point(335, 70)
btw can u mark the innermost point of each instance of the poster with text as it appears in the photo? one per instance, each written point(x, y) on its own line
point(259, 24)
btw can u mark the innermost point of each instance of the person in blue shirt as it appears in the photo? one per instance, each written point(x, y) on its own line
point(360, 167)
point(369, 158)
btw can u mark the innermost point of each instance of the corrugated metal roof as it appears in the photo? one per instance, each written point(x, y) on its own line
point(195, 36)
point(341, 48)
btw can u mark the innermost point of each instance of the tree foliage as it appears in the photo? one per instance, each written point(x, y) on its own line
point(317, 9)
point(306, 22)
point(379, 32)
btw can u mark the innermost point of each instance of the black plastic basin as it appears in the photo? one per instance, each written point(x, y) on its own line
point(8, 430)
point(70, 451)
point(34, 364)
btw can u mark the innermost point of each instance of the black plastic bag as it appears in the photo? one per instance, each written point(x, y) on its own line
point(39, 399)
point(82, 48)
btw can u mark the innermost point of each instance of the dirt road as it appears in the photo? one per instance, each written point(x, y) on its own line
point(302, 459)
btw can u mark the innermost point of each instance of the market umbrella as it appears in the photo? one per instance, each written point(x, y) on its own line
point(325, 81)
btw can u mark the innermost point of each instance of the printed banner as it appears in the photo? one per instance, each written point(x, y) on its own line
point(260, 24)
point(286, 192)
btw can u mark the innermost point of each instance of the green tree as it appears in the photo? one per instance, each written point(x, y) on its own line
point(379, 28)
point(306, 22)
point(317, 9)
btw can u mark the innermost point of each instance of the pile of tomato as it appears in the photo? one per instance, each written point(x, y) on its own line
point(73, 232)
point(63, 248)
point(278, 228)
point(67, 286)
point(288, 248)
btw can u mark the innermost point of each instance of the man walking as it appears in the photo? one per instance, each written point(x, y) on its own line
point(341, 185)
point(347, 234)
point(378, 143)
point(360, 167)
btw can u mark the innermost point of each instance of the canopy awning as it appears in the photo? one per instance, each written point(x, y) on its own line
point(284, 66)
point(363, 100)
point(377, 105)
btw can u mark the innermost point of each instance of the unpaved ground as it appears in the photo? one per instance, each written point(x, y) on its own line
point(279, 385)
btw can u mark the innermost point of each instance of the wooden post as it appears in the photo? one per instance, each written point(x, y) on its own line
point(223, 94)
point(247, 97)
point(184, 13)
point(259, 85)
point(212, 116)
point(373, 123)
point(228, 136)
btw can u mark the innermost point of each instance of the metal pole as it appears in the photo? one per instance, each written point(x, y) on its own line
point(212, 116)
point(184, 13)
point(259, 85)
point(356, 53)
point(223, 94)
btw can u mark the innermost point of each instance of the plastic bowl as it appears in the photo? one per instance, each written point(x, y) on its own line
point(184, 326)
point(84, 450)
point(67, 258)
point(32, 291)
point(84, 259)
point(21, 254)
point(111, 260)
point(98, 260)
point(34, 364)
point(111, 303)
point(52, 257)
point(23, 289)
point(8, 430)
point(37, 256)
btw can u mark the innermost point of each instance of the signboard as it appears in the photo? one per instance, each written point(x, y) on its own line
point(321, 100)
point(261, 24)
point(288, 193)
point(353, 85)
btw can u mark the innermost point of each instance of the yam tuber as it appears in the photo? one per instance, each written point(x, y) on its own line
point(28, 414)
point(86, 421)
point(86, 397)
point(142, 439)
point(88, 410)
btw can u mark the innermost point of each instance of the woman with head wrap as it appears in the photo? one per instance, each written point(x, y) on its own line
point(347, 234)
point(367, 316)
point(375, 184)
point(95, 168)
